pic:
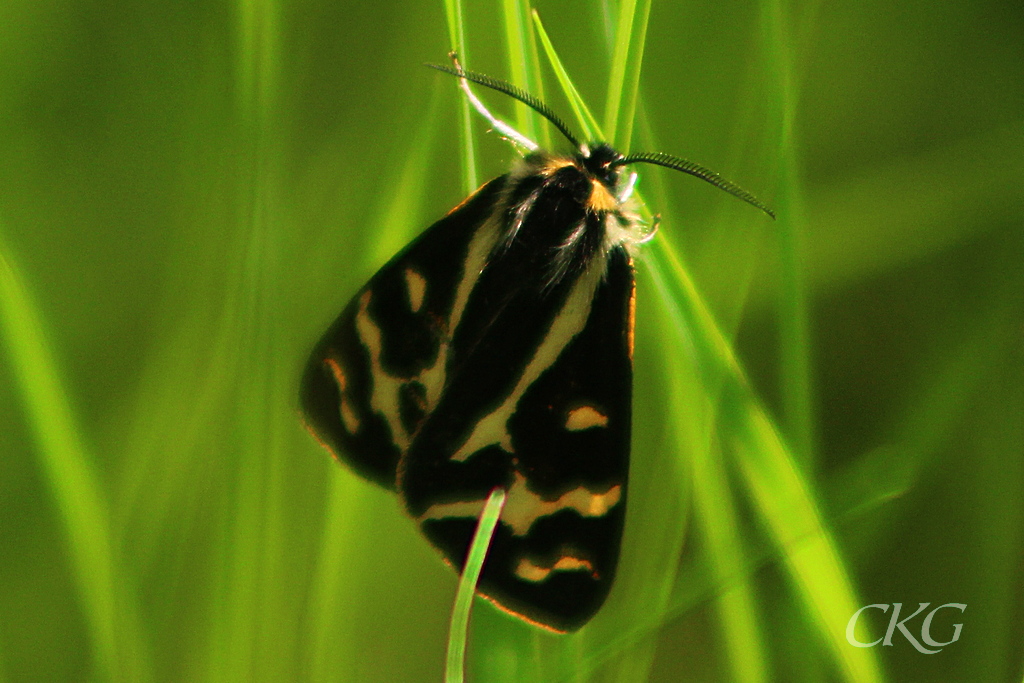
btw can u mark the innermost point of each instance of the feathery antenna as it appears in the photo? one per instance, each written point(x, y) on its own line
point(513, 92)
point(707, 175)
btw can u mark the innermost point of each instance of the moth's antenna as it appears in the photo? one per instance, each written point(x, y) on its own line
point(513, 92)
point(669, 161)
point(503, 128)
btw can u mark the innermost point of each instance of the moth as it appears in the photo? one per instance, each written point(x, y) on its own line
point(495, 350)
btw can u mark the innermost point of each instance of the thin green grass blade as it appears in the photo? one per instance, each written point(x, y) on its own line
point(246, 634)
point(796, 383)
point(588, 123)
point(623, 135)
point(521, 50)
point(105, 592)
point(661, 491)
point(457, 40)
point(534, 55)
point(459, 630)
point(720, 527)
point(691, 413)
point(785, 503)
point(533, 68)
point(617, 76)
point(401, 210)
point(738, 604)
point(767, 468)
point(717, 513)
point(456, 27)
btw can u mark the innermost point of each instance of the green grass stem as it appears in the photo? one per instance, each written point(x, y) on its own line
point(457, 40)
point(588, 123)
point(459, 631)
point(105, 591)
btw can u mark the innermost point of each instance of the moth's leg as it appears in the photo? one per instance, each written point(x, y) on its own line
point(652, 231)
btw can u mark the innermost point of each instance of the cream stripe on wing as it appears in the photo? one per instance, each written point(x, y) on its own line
point(480, 246)
point(523, 507)
point(570, 321)
point(527, 570)
point(585, 417)
point(384, 392)
point(417, 288)
point(384, 395)
point(349, 418)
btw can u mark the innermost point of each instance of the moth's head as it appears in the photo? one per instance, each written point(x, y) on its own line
point(601, 161)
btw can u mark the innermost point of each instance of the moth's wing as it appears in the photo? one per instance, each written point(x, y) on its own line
point(564, 463)
point(363, 393)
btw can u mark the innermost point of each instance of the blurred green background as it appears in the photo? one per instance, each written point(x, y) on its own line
point(189, 192)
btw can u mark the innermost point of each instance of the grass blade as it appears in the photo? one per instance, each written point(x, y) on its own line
point(104, 592)
point(794, 327)
point(523, 65)
point(620, 57)
point(588, 124)
point(457, 40)
point(458, 632)
point(623, 135)
point(779, 492)
point(719, 524)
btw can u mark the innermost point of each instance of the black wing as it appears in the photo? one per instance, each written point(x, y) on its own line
point(376, 372)
point(554, 433)
point(489, 354)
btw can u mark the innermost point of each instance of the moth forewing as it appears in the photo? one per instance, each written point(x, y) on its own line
point(374, 373)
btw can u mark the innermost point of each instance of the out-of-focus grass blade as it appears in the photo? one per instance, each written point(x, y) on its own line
point(457, 39)
point(457, 636)
point(588, 124)
point(617, 76)
point(882, 218)
point(791, 515)
point(624, 133)
point(794, 336)
point(455, 663)
point(523, 65)
point(690, 411)
point(401, 210)
point(627, 59)
point(778, 490)
point(244, 640)
point(718, 519)
point(751, 435)
point(692, 433)
point(105, 592)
